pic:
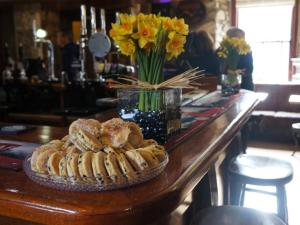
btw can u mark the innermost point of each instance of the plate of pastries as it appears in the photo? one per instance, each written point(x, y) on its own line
point(97, 156)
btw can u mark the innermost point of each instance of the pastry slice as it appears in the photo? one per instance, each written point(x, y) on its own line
point(53, 163)
point(72, 149)
point(65, 138)
point(98, 166)
point(135, 137)
point(85, 165)
point(41, 160)
point(112, 168)
point(72, 165)
point(68, 143)
point(149, 157)
point(148, 142)
point(56, 144)
point(159, 152)
point(125, 166)
point(85, 141)
point(63, 167)
point(35, 155)
point(136, 160)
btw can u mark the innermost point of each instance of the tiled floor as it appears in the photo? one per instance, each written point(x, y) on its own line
point(267, 203)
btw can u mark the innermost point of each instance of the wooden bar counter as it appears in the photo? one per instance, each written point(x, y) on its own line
point(146, 203)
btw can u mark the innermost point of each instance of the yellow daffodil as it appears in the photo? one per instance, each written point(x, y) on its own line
point(146, 34)
point(127, 23)
point(175, 45)
point(167, 23)
point(127, 47)
point(180, 26)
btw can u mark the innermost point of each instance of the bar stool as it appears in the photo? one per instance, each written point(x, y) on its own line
point(261, 171)
point(296, 134)
point(234, 215)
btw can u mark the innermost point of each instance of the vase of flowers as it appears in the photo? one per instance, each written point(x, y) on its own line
point(231, 49)
point(150, 40)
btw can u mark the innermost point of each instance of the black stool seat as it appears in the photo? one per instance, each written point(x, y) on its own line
point(261, 170)
point(234, 215)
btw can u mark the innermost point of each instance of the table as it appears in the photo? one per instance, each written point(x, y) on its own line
point(150, 202)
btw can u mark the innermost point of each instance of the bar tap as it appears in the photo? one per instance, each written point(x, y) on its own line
point(40, 37)
point(103, 21)
point(83, 44)
point(93, 21)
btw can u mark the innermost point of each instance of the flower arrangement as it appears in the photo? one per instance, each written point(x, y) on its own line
point(149, 40)
point(231, 48)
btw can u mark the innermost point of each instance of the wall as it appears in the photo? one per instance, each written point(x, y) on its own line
point(24, 14)
point(212, 16)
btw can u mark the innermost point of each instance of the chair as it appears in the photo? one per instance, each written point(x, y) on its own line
point(262, 171)
point(234, 215)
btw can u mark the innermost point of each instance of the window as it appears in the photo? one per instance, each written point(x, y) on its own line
point(268, 31)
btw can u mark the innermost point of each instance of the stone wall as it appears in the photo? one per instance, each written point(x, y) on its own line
point(24, 14)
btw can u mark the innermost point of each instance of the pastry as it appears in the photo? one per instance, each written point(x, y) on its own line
point(115, 133)
point(149, 156)
point(148, 142)
point(157, 150)
point(136, 160)
point(85, 141)
point(125, 166)
point(41, 160)
point(53, 163)
point(72, 149)
point(89, 125)
point(72, 165)
point(35, 154)
point(63, 167)
point(98, 166)
point(67, 143)
point(112, 168)
point(85, 165)
point(136, 136)
point(56, 143)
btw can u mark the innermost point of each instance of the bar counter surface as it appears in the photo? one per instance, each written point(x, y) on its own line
point(141, 204)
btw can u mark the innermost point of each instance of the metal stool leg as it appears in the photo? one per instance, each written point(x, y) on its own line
point(242, 195)
point(282, 203)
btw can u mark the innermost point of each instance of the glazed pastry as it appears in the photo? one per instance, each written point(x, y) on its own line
point(85, 165)
point(98, 166)
point(112, 168)
point(89, 125)
point(56, 143)
point(53, 163)
point(136, 136)
point(125, 166)
point(149, 156)
point(41, 160)
point(136, 160)
point(65, 138)
point(157, 150)
point(72, 165)
point(148, 142)
point(66, 144)
point(63, 167)
point(115, 133)
point(35, 155)
point(85, 141)
point(72, 149)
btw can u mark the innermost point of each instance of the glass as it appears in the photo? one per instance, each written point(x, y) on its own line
point(157, 112)
point(91, 183)
point(231, 84)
